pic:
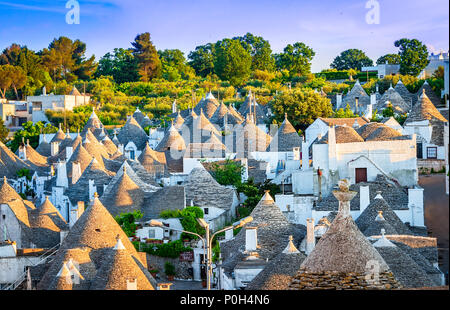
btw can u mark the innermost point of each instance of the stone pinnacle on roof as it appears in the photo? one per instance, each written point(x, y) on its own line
point(119, 245)
point(291, 249)
point(383, 241)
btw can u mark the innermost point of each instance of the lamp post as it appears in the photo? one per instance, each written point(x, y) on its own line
point(207, 240)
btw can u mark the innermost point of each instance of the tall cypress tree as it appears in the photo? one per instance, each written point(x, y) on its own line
point(149, 64)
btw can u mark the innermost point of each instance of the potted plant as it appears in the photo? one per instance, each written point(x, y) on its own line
point(154, 272)
point(169, 270)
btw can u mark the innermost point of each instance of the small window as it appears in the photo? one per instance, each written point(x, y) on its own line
point(432, 152)
point(151, 234)
point(4, 216)
point(206, 211)
point(179, 182)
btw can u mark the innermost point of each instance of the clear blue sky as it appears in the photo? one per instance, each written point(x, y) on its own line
point(328, 26)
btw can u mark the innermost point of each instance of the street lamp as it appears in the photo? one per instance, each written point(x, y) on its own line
point(208, 242)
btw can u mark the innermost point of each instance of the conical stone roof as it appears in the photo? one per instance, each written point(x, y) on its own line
point(285, 139)
point(132, 131)
point(343, 253)
point(118, 268)
point(124, 196)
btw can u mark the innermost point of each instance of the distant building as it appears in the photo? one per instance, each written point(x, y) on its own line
point(39, 104)
point(14, 113)
point(383, 69)
point(436, 61)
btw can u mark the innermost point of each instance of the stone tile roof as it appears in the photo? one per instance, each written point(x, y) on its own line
point(47, 223)
point(378, 132)
point(369, 215)
point(59, 137)
point(344, 134)
point(95, 148)
point(10, 163)
point(123, 195)
point(285, 139)
point(404, 268)
point(273, 233)
point(248, 137)
point(89, 243)
point(166, 198)
point(350, 98)
point(172, 140)
point(44, 149)
point(248, 108)
point(110, 147)
point(219, 116)
point(209, 105)
point(34, 157)
point(340, 258)
point(424, 110)
point(80, 190)
point(154, 162)
point(204, 191)
point(404, 92)
point(396, 197)
point(257, 170)
point(391, 96)
point(132, 131)
point(379, 223)
point(278, 273)
point(10, 197)
point(426, 88)
point(197, 129)
point(344, 121)
point(179, 121)
point(93, 123)
point(81, 156)
point(118, 268)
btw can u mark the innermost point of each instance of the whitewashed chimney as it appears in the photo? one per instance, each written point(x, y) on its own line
point(251, 239)
point(364, 198)
point(229, 234)
point(132, 285)
point(338, 100)
point(310, 238)
point(305, 155)
point(69, 152)
point(23, 152)
point(373, 99)
point(332, 148)
point(120, 147)
point(54, 148)
point(415, 204)
point(76, 172)
point(61, 174)
point(92, 189)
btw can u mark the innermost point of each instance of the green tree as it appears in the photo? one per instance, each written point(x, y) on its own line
point(11, 76)
point(345, 113)
point(392, 59)
point(260, 51)
point(174, 65)
point(232, 62)
point(31, 63)
point(30, 132)
point(121, 65)
point(202, 59)
point(302, 106)
point(413, 56)
point(439, 73)
point(149, 64)
point(3, 131)
point(229, 173)
point(296, 59)
point(65, 59)
point(351, 59)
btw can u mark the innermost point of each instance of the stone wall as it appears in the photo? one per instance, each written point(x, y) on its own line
point(181, 268)
point(338, 281)
point(436, 164)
